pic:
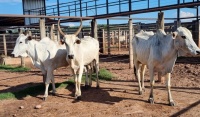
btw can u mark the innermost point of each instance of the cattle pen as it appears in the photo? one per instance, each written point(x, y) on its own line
point(114, 23)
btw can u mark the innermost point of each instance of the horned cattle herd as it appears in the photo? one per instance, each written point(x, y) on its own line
point(158, 52)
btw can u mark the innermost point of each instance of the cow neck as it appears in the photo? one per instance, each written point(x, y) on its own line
point(31, 49)
point(172, 52)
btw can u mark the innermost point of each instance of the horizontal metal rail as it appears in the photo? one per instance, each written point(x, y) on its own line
point(44, 16)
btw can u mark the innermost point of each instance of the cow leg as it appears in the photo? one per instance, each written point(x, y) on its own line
point(97, 74)
point(53, 85)
point(78, 92)
point(143, 68)
point(74, 71)
point(86, 77)
point(168, 77)
point(137, 71)
point(44, 77)
point(48, 79)
point(90, 80)
point(152, 82)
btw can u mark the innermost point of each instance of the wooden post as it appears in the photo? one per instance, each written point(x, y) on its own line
point(160, 23)
point(196, 32)
point(113, 38)
point(131, 34)
point(119, 48)
point(126, 42)
point(42, 28)
point(4, 45)
point(58, 35)
point(101, 38)
point(52, 33)
point(94, 28)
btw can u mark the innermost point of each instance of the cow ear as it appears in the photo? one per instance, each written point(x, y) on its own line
point(174, 35)
point(29, 38)
point(78, 41)
point(62, 41)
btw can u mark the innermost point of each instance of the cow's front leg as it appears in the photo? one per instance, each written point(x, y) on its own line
point(78, 92)
point(152, 82)
point(168, 77)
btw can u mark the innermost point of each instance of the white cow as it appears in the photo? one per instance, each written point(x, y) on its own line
point(81, 52)
point(159, 53)
point(46, 55)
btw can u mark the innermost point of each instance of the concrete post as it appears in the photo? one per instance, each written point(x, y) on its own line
point(131, 34)
point(42, 28)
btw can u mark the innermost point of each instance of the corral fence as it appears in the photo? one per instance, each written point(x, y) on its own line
point(117, 37)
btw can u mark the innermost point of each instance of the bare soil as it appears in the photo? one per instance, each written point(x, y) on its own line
point(116, 98)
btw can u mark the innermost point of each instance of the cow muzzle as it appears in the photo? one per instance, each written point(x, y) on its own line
point(71, 56)
point(198, 52)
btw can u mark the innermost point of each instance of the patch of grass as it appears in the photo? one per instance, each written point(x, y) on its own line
point(14, 69)
point(103, 75)
point(33, 91)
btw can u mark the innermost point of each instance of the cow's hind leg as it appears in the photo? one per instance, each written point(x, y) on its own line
point(168, 77)
point(137, 67)
point(152, 82)
point(143, 68)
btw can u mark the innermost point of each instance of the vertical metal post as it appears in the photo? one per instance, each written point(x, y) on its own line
point(108, 36)
point(108, 28)
point(95, 7)
point(119, 5)
point(131, 33)
point(75, 8)
point(69, 9)
point(178, 11)
point(86, 9)
point(80, 8)
point(4, 45)
point(130, 5)
point(58, 7)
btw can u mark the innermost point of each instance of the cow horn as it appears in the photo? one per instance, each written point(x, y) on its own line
point(79, 29)
point(59, 29)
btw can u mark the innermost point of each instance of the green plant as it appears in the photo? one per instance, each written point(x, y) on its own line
point(33, 91)
point(14, 69)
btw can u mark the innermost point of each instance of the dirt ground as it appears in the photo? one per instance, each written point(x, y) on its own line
point(116, 98)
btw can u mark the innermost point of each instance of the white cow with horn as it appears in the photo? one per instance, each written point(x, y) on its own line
point(45, 54)
point(81, 52)
point(159, 52)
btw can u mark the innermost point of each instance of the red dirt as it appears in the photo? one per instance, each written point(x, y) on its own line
point(118, 97)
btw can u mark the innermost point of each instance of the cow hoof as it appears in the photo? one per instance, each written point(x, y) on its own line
point(151, 100)
point(171, 104)
point(87, 86)
point(44, 98)
point(140, 92)
point(97, 87)
point(78, 98)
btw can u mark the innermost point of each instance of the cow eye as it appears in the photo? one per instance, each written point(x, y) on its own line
point(183, 37)
point(20, 42)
